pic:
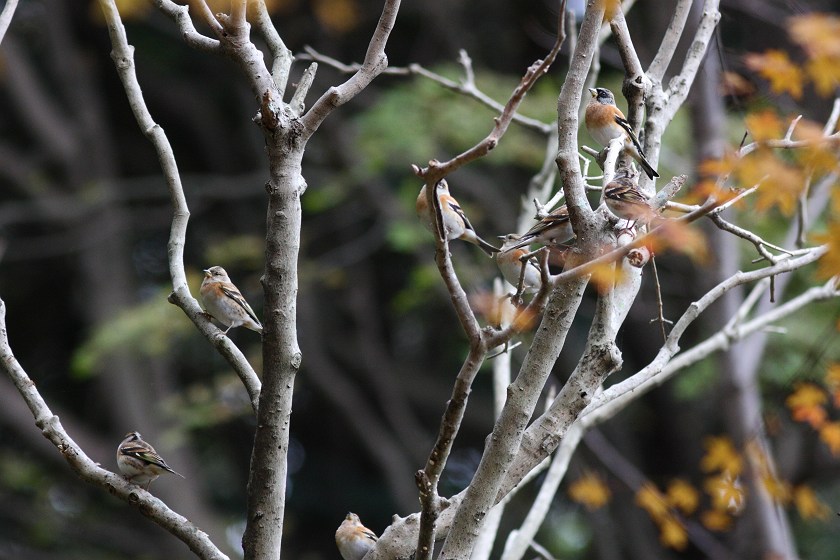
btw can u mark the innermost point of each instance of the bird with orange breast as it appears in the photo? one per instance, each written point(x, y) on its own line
point(605, 121)
point(455, 222)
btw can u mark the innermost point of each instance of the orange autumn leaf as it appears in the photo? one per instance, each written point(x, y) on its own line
point(652, 501)
point(832, 376)
point(605, 275)
point(672, 533)
point(779, 490)
point(824, 72)
point(808, 503)
point(590, 490)
point(829, 265)
point(780, 183)
point(716, 520)
point(764, 125)
point(806, 404)
point(830, 435)
point(726, 493)
point(721, 456)
point(735, 85)
point(818, 34)
point(681, 495)
point(775, 66)
point(611, 8)
point(719, 167)
point(682, 238)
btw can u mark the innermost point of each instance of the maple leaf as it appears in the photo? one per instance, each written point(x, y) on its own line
point(818, 34)
point(824, 72)
point(682, 496)
point(830, 434)
point(716, 520)
point(681, 237)
point(806, 404)
point(808, 503)
point(605, 276)
point(672, 533)
point(652, 501)
point(726, 492)
point(832, 381)
point(781, 183)
point(778, 489)
point(590, 490)
point(764, 125)
point(721, 456)
point(735, 85)
point(784, 75)
point(829, 265)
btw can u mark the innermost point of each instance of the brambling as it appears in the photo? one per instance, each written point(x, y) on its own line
point(455, 222)
point(605, 121)
point(139, 461)
point(624, 199)
point(555, 229)
point(511, 267)
point(225, 303)
point(353, 539)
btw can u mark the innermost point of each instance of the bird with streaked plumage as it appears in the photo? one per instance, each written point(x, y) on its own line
point(139, 461)
point(455, 222)
point(605, 121)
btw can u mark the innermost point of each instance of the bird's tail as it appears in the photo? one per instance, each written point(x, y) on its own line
point(486, 247)
point(649, 170)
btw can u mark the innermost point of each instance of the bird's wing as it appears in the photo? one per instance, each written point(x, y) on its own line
point(234, 294)
point(623, 123)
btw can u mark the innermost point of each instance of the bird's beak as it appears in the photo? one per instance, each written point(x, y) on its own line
point(502, 237)
point(207, 272)
point(594, 92)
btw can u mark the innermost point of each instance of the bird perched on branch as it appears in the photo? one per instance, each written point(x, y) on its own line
point(554, 229)
point(455, 222)
point(605, 121)
point(624, 199)
point(353, 539)
point(225, 303)
point(139, 461)
point(511, 267)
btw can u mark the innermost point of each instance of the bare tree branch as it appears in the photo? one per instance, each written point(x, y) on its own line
point(123, 55)
point(91, 472)
point(6, 17)
point(375, 62)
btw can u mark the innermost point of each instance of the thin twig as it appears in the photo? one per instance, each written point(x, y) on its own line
point(6, 17)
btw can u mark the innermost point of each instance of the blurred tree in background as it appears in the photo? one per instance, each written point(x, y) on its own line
point(85, 218)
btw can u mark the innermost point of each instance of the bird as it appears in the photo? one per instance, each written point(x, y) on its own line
point(554, 229)
point(624, 199)
point(605, 121)
point(139, 461)
point(225, 303)
point(511, 267)
point(353, 539)
point(455, 222)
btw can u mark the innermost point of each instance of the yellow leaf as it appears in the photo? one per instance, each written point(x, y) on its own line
point(338, 16)
point(818, 34)
point(829, 265)
point(652, 501)
point(764, 125)
point(780, 183)
point(721, 456)
point(590, 490)
point(783, 74)
point(681, 237)
point(779, 490)
point(672, 533)
point(726, 493)
point(830, 434)
point(808, 503)
point(716, 520)
point(824, 72)
point(806, 404)
point(605, 276)
point(682, 496)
